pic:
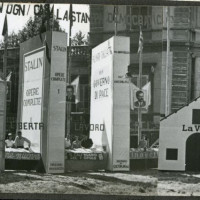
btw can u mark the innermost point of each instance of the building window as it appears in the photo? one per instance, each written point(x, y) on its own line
point(171, 154)
point(196, 116)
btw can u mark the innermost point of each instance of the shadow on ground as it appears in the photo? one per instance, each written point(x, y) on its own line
point(12, 177)
point(183, 177)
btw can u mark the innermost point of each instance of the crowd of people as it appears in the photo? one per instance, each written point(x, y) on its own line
point(18, 142)
point(78, 142)
point(70, 142)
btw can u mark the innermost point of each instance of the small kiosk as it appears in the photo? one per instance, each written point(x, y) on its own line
point(41, 101)
point(179, 141)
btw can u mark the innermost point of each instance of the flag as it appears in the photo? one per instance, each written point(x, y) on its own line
point(43, 26)
point(9, 76)
point(47, 16)
point(52, 16)
point(147, 94)
point(52, 12)
point(1, 7)
point(5, 27)
point(147, 88)
point(75, 84)
point(70, 16)
point(140, 45)
point(48, 52)
point(115, 13)
point(133, 88)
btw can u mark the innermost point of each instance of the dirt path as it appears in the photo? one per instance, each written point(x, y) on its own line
point(131, 183)
point(145, 183)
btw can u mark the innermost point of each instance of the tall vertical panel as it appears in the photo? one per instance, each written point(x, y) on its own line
point(101, 111)
point(33, 68)
point(2, 125)
point(121, 105)
point(108, 107)
point(57, 106)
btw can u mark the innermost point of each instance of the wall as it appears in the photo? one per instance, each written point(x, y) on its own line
point(172, 135)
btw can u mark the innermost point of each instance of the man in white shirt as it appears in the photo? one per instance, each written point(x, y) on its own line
point(19, 140)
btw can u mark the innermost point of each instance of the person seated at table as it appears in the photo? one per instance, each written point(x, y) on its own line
point(19, 141)
point(76, 143)
point(68, 142)
point(86, 142)
point(143, 144)
point(9, 143)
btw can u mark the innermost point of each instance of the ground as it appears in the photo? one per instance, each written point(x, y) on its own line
point(131, 183)
point(178, 184)
point(145, 183)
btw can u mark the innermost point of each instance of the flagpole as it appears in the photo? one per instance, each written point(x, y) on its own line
point(69, 70)
point(5, 56)
point(167, 62)
point(115, 18)
point(140, 87)
point(69, 50)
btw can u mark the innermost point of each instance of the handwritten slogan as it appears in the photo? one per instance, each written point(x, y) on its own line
point(102, 80)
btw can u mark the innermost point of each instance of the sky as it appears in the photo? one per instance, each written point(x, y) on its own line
point(16, 22)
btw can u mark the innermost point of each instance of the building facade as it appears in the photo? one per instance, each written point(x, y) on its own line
point(170, 38)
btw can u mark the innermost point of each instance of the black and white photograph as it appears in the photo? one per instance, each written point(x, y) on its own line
point(99, 99)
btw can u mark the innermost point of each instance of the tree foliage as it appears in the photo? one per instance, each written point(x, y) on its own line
point(79, 39)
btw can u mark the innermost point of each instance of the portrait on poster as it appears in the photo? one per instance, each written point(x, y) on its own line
point(140, 99)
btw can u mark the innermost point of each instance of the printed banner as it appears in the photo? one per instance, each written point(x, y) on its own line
point(144, 155)
point(22, 156)
point(101, 108)
point(84, 156)
point(33, 65)
point(38, 9)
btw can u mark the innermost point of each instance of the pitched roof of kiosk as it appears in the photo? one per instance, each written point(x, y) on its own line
point(179, 109)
